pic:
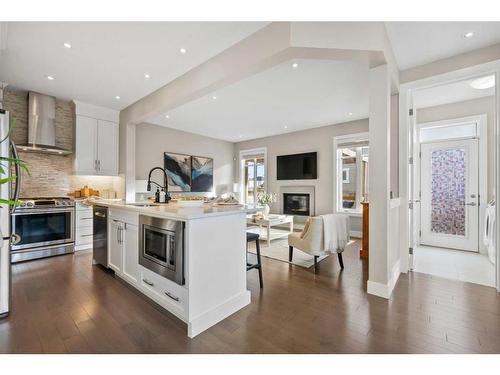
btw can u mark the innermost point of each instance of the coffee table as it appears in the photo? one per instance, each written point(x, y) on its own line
point(272, 221)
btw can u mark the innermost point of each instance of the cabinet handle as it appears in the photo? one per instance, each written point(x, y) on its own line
point(99, 165)
point(86, 235)
point(148, 282)
point(95, 164)
point(172, 296)
point(87, 218)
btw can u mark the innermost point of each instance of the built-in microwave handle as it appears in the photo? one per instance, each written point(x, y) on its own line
point(100, 214)
point(148, 282)
point(172, 296)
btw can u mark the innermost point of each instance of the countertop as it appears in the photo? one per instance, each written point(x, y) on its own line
point(173, 211)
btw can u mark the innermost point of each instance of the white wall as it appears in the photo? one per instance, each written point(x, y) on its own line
point(319, 140)
point(152, 141)
point(464, 109)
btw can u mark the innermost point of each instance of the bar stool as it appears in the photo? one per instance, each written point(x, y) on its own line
point(255, 237)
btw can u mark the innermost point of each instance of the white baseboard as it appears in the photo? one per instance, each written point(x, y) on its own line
point(209, 318)
point(385, 290)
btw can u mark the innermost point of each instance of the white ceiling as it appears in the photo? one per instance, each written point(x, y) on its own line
point(450, 93)
point(316, 93)
point(109, 59)
point(417, 43)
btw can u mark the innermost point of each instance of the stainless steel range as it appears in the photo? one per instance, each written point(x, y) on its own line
point(42, 227)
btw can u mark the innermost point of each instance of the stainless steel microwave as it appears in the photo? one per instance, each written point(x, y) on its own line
point(161, 247)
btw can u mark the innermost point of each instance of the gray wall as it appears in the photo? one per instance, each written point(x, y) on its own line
point(318, 139)
point(463, 109)
point(152, 141)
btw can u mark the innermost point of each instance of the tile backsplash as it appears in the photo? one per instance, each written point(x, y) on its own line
point(51, 175)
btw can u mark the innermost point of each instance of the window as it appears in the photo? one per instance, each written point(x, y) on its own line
point(435, 133)
point(254, 176)
point(352, 173)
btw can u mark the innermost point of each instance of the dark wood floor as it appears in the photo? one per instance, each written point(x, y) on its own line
point(65, 305)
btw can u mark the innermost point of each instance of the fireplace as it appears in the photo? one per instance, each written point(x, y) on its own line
point(297, 204)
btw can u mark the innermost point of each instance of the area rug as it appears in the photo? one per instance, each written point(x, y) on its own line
point(279, 251)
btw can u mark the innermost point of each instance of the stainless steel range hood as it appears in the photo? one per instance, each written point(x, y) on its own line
point(42, 125)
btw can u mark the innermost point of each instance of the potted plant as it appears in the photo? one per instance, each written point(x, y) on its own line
point(5, 162)
point(265, 199)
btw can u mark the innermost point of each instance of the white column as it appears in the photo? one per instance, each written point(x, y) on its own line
point(127, 158)
point(379, 180)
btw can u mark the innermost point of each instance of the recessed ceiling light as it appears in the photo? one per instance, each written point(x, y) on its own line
point(167, 116)
point(50, 78)
point(183, 50)
point(295, 65)
point(117, 97)
point(483, 83)
point(286, 127)
point(147, 76)
point(67, 45)
point(350, 113)
point(214, 97)
point(240, 136)
point(468, 35)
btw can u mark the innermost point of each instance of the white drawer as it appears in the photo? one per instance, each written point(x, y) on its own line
point(124, 216)
point(84, 236)
point(82, 207)
point(84, 219)
point(168, 294)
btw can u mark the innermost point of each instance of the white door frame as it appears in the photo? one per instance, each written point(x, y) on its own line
point(482, 133)
point(405, 129)
point(243, 153)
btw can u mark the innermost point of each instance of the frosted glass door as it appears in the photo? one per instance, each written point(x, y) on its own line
point(449, 179)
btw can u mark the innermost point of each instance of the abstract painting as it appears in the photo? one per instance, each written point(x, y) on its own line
point(178, 168)
point(202, 174)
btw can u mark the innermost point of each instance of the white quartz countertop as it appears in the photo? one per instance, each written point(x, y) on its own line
point(172, 210)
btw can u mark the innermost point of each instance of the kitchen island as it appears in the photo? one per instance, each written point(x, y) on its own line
point(211, 284)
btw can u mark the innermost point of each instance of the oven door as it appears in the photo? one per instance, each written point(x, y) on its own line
point(42, 227)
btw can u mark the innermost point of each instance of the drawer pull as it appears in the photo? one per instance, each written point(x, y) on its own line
point(86, 235)
point(172, 296)
point(148, 282)
point(86, 218)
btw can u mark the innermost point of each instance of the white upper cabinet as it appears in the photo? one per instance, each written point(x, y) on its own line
point(96, 140)
point(85, 145)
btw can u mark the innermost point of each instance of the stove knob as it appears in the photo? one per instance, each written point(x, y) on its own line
point(23, 204)
point(30, 204)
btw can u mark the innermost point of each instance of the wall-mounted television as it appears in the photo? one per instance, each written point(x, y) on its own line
point(297, 166)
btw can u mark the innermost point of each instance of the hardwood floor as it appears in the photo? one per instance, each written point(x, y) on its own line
point(66, 305)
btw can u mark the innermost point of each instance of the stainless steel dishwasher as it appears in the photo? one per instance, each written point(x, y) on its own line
point(100, 245)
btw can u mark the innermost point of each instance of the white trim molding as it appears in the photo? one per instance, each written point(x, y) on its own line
point(406, 131)
point(385, 290)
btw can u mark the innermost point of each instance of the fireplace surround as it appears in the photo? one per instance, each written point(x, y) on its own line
point(297, 200)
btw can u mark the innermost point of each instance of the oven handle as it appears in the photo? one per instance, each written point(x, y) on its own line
point(37, 212)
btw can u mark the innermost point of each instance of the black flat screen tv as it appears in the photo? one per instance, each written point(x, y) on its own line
point(297, 167)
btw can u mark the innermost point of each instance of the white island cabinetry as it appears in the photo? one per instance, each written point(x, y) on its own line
point(214, 284)
point(123, 245)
